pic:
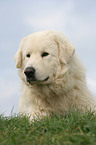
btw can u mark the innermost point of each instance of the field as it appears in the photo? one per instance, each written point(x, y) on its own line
point(72, 129)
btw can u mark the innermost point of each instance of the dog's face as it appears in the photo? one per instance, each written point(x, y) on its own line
point(40, 56)
point(39, 60)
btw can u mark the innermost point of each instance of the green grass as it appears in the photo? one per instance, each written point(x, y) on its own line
point(72, 129)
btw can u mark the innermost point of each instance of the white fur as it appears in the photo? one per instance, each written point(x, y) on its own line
point(66, 86)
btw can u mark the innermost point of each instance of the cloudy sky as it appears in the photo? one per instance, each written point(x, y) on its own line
point(75, 18)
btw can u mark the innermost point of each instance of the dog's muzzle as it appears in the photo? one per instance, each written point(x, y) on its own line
point(30, 75)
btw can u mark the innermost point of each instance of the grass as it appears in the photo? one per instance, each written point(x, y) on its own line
point(73, 129)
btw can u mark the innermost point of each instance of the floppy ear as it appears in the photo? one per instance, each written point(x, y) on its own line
point(18, 56)
point(18, 59)
point(66, 51)
point(65, 48)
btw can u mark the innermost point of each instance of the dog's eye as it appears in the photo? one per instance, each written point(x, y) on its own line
point(28, 55)
point(44, 54)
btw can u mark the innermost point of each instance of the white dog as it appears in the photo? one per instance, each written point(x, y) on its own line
point(52, 75)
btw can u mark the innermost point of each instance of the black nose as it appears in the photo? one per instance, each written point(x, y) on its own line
point(30, 72)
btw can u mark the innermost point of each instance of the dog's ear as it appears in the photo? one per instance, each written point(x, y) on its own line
point(18, 59)
point(18, 56)
point(66, 51)
point(65, 48)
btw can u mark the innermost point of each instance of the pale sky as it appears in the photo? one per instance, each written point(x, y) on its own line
point(75, 18)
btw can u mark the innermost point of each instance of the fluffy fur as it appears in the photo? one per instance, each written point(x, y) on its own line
point(66, 87)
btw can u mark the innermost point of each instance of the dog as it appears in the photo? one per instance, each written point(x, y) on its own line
point(53, 77)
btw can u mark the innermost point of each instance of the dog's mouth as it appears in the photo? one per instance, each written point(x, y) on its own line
point(30, 80)
point(45, 79)
point(30, 76)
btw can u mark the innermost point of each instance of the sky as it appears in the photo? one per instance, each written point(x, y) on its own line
point(76, 19)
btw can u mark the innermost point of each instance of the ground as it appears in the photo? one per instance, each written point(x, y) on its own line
point(72, 129)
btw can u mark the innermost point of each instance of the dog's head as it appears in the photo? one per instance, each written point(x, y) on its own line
point(40, 56)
